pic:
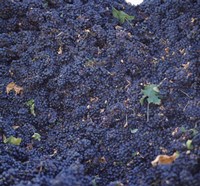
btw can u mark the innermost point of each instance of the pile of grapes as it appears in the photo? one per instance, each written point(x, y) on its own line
point(71, 79)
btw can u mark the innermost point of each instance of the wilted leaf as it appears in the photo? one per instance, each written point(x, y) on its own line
point(12, 86)
point(165, 159)
point(31, 104)
point(12, 140)
point(36, 136)
point(189, 145)
point(121, 15)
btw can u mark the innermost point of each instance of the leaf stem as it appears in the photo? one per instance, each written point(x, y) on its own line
point(148, 112)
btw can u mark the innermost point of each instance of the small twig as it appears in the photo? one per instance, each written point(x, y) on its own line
point(185, 106)
point(186, 94)
point(161, 82)
point(129, 83)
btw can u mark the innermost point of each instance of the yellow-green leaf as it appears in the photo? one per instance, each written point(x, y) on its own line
point(12, 140)
point(36, 136)
point(189, 145)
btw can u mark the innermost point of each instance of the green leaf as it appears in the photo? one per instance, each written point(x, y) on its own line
point(154, 99)
point(115, 13)
point(12, 140)
point(189, 144)
point(151, 92)
point(121, 15)
point(31, 104)
point(36, 136)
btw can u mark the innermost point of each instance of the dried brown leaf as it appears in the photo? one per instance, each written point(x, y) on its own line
point(10, 87)
point(13, 87)
point(164, 159)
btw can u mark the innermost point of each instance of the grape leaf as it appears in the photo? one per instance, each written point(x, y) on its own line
point(121, 15)
point(12, 140)
point(151, 93)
